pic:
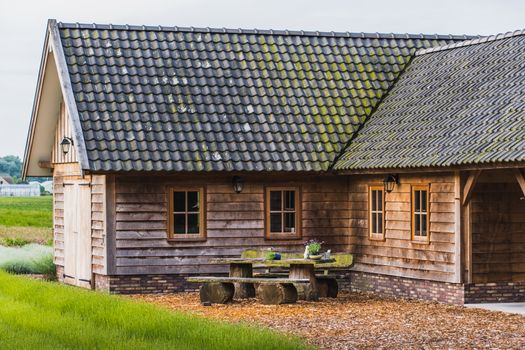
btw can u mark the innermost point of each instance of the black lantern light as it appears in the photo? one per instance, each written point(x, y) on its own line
point(66, 144)
point(238, 184)
point(390, 182)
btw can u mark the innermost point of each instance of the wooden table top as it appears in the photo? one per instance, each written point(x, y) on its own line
point(333, 263)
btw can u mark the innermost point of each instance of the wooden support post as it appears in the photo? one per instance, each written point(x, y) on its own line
point(242, 290)
point(521, 179)
point(468, 242)
point(458, 260)
point(468, 189)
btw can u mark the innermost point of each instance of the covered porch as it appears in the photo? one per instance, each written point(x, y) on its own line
point(494, 236)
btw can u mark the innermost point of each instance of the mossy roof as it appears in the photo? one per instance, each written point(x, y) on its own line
point(187, 99)
point(457, 105)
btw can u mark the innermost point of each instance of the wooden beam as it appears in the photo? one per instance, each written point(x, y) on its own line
point(469, 186)
point(521, 179)
point(45, 164)
point(458, 244)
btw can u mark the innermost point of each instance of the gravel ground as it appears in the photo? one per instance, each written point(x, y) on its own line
point(357, 321)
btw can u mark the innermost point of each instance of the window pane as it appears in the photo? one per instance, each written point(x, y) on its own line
point(417, 205)
point(380, 200)
point(275, 200)
point(417, 225)
point(424, 201)
point(275, 222)
point(374, 200)
point(179, 201)
point(373, 224)
point(289, 222)
point(193, 201)
point(289, 200)
point(193, 223)
point(424, 225)
point(179, 223)
point(380, 223)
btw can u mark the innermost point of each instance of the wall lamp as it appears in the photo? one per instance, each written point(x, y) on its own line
point(66, 144)
point(390, 182)
point(238, 184)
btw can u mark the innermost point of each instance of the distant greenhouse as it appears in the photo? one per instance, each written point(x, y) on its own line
point(31, 190)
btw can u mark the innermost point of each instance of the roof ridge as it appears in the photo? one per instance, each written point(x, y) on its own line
point(475, 41)
point(264, 31)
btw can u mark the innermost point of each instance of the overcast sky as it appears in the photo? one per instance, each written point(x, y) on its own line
point(22, 29)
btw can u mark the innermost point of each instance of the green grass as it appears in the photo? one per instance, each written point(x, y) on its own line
point(27, 219)
point(44, 315)
point(26, 211)
point(29, 259)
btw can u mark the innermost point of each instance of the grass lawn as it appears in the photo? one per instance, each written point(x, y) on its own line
point(44, 315)
point(27, 218)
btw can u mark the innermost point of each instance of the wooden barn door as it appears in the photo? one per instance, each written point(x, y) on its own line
point(77, 234)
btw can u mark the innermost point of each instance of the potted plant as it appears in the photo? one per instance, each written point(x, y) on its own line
point(273, 256)
point(313, 249)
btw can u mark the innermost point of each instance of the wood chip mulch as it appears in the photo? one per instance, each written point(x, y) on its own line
point(358, 321)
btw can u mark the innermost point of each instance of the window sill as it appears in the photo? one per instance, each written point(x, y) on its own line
point(425, 241)
point(376, 237)
point(186, 239)
point(282, 237)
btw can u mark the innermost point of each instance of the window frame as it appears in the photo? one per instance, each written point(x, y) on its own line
point(374, 236)
point(298, 214)
point(177, 237)
point(414, 238)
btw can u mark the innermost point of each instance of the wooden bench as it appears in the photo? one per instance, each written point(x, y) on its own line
point(326, 284)
point(271, 291)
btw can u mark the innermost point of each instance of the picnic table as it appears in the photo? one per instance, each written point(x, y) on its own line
point(300, 279)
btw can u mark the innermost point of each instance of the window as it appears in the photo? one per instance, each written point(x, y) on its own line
point(376, 219)
point(420, 213)
point(186, 214)
point(283, 215)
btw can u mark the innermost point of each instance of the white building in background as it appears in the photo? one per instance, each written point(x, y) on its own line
point(31, 190)
point(48, 186)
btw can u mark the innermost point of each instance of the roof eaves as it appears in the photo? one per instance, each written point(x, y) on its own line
point(67, 92)
point(34, 110)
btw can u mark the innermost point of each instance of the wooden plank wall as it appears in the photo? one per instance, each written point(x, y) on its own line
point(398, 255)
point(98, 223)
point(498, 229)
point(63, 129)
point(234, 221)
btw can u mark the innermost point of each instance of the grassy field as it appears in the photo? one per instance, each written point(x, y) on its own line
point(27, 218)
point(44, 315)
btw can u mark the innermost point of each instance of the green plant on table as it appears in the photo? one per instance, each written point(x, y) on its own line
point(273, 256)
point(313, 246)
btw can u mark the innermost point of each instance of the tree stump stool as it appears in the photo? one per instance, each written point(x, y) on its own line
point(217, 292)
point(327, 287)
point(276, 294)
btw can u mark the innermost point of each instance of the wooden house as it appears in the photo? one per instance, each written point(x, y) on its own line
point(170, 146)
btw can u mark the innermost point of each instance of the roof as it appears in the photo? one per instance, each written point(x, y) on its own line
point(460, 104)
point(189, 99)
point(6, 178)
